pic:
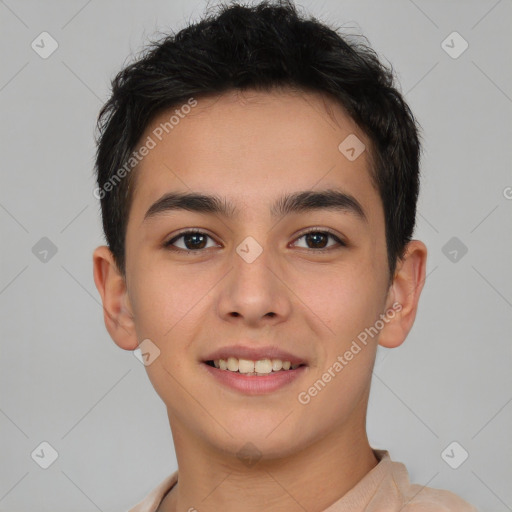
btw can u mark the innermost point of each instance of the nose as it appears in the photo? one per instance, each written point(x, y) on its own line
point(254, 292)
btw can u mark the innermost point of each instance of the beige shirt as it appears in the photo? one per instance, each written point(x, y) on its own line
point(386, 488)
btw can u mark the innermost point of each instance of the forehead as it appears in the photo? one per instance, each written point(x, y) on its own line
point(250, 147)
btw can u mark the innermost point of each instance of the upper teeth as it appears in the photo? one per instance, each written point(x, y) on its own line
point(262, 366)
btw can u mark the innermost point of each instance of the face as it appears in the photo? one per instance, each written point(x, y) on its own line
point(257, 282)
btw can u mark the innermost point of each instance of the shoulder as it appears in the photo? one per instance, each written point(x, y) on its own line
point(419, 498)
point(427, 499)
point(152, 501)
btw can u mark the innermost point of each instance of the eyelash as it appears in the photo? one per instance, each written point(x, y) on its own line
point(168, 244)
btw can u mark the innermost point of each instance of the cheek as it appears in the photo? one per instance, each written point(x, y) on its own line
point(344, 300)
point(350, 304)
point(161, 300)
point(335, 398)
point(166, 306)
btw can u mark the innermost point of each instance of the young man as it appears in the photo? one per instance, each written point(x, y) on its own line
point(258, 178)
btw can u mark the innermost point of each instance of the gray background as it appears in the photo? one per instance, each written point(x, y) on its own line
point(64, 381)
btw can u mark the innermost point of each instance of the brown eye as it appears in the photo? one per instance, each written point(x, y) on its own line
point(317, 240)
point(194, 240)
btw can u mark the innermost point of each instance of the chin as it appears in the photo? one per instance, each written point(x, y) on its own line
point(262, 440)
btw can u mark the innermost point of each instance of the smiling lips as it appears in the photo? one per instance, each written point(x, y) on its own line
point(254, 361)
point(253, 368)
point(236, 367)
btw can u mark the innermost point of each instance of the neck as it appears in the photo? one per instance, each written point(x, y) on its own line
point(311, 479)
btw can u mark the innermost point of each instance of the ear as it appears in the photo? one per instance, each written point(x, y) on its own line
point(404, 294)
point(117, 310)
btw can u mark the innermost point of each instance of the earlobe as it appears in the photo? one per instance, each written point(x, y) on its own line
point(117, 310)
point(404, 294)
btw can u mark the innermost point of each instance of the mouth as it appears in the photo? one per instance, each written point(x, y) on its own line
point(251, 368)
point(254, 372)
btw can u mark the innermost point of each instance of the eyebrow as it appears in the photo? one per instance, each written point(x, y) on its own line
point(297, 202)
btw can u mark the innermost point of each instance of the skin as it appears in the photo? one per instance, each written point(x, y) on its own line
point(251, 148)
